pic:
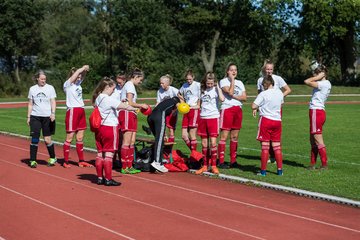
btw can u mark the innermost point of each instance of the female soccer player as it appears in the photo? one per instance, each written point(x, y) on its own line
point(41, 114)
point(107, 135)
point(317, 115)
point(269, 104)
point(75, 119)
point(190, 93)
point(231, 115)
point(208, 129)
point(128, 121)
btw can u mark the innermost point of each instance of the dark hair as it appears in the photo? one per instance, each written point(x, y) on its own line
point(106, 81)
point(321, 68)
point(267, 81)
point(136, 72)
point(71, 72)
point(189, 72)
point(37, 75)
point(228, 67)
point(208, 76)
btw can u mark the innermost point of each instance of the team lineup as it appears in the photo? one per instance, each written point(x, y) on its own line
point(210, 109)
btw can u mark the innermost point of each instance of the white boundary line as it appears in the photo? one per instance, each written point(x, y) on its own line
point(190, 190)
point(297, 191)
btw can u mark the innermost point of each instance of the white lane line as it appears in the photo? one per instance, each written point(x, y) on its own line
point(132, 200)
point(67, 213)
point(198, 192)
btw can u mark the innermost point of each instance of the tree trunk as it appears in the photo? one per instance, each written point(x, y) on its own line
point(16, 73)
point(209, 63)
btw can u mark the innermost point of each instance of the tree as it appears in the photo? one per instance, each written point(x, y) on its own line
point(19, 32)
point(331, 28)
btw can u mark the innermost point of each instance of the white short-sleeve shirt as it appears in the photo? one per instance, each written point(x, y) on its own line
point(129, 87)
point(191, 93)
point(117, 92)
point(320, 95)
point(209, 104)
point(107, 107)
point(279, 82)
point(73, 93)
point(41, 99)
point(269, 102)
point(166, 94)
point(229, 101)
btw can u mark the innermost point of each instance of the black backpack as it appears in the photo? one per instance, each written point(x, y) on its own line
point(143, 159)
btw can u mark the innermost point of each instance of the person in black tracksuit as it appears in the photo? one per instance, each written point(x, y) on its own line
point(157, 124)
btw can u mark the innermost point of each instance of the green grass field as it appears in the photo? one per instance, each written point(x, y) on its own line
point(341, 135)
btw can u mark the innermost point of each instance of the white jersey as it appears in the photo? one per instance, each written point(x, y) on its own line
point(209, 104)
point(191, 93)
point(73, 93)
point(117, 92)
point(107, 107)
point(166, 94)
point(269, 102)
point(41, 97)
point(320, 95)
point(129, 87)
point(229, 101)
point(279, 82)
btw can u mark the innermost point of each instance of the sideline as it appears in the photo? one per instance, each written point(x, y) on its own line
point(297, 191)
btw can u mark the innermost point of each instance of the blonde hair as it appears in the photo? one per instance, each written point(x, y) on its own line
point(167, 77)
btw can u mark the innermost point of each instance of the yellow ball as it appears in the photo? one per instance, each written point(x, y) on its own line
point(183, 108)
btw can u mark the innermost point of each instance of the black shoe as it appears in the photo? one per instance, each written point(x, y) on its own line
point(223, 166)
point(234, 165)
point(100, 181)
point(111, 182)
point(147, 130)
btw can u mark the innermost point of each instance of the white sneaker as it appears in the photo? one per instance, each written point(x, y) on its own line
point(159, 167)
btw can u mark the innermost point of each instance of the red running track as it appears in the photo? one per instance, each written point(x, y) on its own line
point(57, 203)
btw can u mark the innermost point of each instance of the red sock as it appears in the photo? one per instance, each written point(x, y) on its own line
point(322, 153)
point(99, 165)
point(213, 156)
point(264, 156)
point(124, 150)
point(188, 143)
point(314, 154)
point(221, 151)
point(66, 150)
point(131, 155)
point(193, 144)
point(233, 151)
point(108, 168)
point(205, 153)
point(80, 150)
point(278, 156)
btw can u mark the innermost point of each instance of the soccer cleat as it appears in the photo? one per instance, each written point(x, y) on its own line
point(311, 167)
point(262, 173)
point(234, 165)
point(33, 164)
point(323, 168)
point(159, 167)
point(100, 181)
point(133, 170)
point(66, 165)
point(51, 162)
point(201, 170)
point(280, 172)
point(214, 170)
point(111, 182)
point(84, 164)
point(147, 130)
point(223, 166)
point(125, 171)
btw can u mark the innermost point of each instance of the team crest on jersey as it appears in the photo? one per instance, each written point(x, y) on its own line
point(41, 97)
point(237, 90)
point(206, 98)
point(188, 94)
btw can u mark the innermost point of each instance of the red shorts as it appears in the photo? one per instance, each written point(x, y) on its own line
point(208, 127)
point(75, 119)
point(190, 120)
point(107, 139)
point(317, 120)
point(127, 121)
point(171, 120)
point(269, 130)
point(231, 118)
